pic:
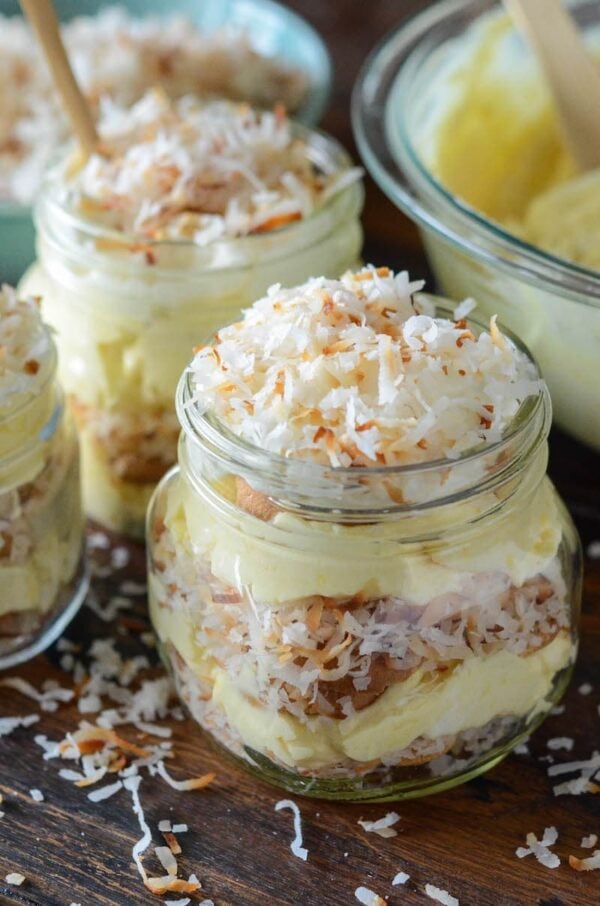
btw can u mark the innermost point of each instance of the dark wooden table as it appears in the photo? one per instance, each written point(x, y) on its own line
point(72, 851)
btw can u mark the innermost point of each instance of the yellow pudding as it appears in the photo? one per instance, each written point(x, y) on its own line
point(144, 252)
point(339, 601)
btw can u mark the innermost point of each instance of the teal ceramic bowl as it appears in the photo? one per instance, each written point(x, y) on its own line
point(274, 30)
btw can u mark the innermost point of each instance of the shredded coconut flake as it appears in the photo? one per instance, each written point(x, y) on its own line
point(585, 689)
point(368, 897)
point(592, 863)
point(400, 878)
point(36, 795)
point(9, 724)
point(589, 842)
point(541, 848)
point(15, 879)
point(442, 896)
point(383, 826)
point(105, 792)
point(560, 742)
point(296, 845)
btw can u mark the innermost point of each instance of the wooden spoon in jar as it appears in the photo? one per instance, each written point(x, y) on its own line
point(42, 18)
point(573, 76)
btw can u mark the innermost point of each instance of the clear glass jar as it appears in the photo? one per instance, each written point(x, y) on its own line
point(126, 314)
point(373, 633)
point(404, 92)
point(43, 575)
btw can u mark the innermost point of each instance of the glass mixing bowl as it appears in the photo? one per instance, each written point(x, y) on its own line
point(552, 304)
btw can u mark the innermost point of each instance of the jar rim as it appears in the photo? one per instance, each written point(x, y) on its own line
point(322, 146)
point(409, 184)
point(527, 431)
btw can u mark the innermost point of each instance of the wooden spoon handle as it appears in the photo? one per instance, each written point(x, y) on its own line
point(573, 77)
point(43, 20)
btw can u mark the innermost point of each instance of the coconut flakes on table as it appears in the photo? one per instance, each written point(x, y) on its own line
point(591, 863)
point(561, 742)
point(358, 372)
point(36, 795)
point(369, 897)
point(541, 848)
point(15, 878)
point(49, 699)
point(9, 724)
point(401, 878)
point(197, 171)
point(383, 826)
point(589, 771)
point(589, 842)
point(441, 896)
point(296, 845)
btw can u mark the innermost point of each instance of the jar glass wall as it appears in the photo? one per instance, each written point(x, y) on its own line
point(43, 576)
point(345, 646)
point(126, 315)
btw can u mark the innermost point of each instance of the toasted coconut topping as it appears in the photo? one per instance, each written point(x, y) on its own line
point(382, 827)
point(24, 344)
point(198, 171)
point(296, 845)
point(356, 372)
point(541, 848)
point(117, 56)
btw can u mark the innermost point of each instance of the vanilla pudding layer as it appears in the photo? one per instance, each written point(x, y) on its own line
point(329, 664)
point(40, 541)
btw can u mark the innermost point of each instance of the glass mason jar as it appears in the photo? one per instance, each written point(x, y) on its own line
point(364, 633)
point(126, 314)
point(43, 576)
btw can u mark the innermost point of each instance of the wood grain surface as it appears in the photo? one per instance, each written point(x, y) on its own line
point(72, 851)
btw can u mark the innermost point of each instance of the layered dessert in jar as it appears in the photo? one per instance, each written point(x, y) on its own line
point(362, 579)
point(115, 56)
point(42, 571)
point(187, 213)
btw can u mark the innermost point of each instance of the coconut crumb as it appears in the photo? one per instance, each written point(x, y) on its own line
point(359, 372)
point(15, 879)
point(296, 845)
point(400, 878)
point(592, 863)
point(541, 848)
point(36, 795)
point(560, 742)
point(383, 826)
point(369, 897)
point(585, 689)
point(593, 550)
point(442, 896)
point(589, 842)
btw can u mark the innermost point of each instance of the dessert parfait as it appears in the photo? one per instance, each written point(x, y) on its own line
point(362, 579)
point(42, 573)
point(188, 212)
